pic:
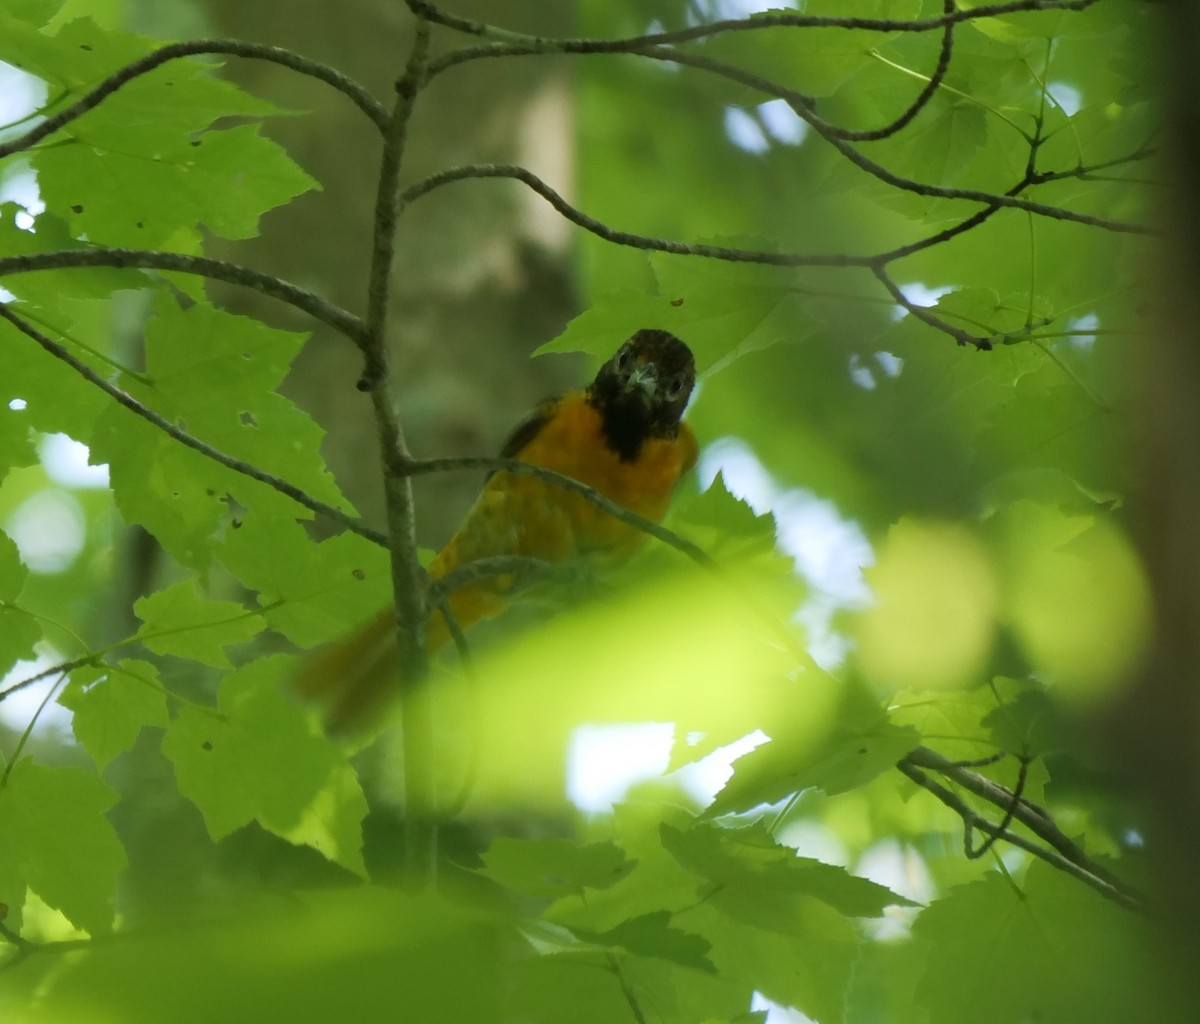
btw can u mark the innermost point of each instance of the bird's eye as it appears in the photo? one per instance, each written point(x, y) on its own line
point(622, 357)
point(675, 388)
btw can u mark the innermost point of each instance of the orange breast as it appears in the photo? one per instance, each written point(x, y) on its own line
point(517, 514)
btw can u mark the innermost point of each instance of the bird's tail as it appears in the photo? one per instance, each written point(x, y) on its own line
point(356, 677)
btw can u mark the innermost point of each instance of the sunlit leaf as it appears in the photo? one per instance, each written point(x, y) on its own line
point(258, 757)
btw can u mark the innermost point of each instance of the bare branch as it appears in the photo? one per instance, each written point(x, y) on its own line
point(219, 270)
point(236, 47)
point(408, 577)
point(1117, 893)
point(150, 416)
point(923, 314)
point(62, 668)
point(922, 98)
point(602, 230)
point(1029, 814)
point(775, 19)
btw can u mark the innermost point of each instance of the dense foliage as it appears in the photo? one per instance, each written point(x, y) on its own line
point(908, 244)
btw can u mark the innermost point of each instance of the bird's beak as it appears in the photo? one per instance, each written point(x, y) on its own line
point(643, 378)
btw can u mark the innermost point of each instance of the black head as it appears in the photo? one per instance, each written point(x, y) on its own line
point(642, 390)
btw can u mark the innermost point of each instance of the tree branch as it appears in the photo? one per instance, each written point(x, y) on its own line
point(236, 47)
point(408, 577)
point(804, 108)
point(1062, 850)
point(602, 230)
point(219, 270)
point(418, 467)
point(775, 19)
point(125, 399)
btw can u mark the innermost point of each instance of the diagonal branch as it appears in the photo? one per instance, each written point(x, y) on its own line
point(236, 47)
point(219, 270)
point(1036, 819)
point(1120, 894)
point(125, 399)
point(418, 467)
point(774, 19)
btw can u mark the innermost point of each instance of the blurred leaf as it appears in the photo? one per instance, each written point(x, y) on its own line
point(755, 877)
point(364, 955)
point(1072, 951)
point(652, 935)
point(840, 741)
point(677, 647)
point(934, 616)
point(59, 843)
point(550, 868)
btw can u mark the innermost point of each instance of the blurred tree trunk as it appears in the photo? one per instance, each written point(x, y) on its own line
point(482, 276)
point(1157, 729)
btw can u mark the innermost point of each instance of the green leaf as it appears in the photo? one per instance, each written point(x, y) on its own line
point(214, 374)
point(260, 758)
point(549, 868)
point(756, 878)
point(1077, 955)
point(18, 629)
point(56, 398)
point(111, 706)
point(777, 966)
point(35, 12)
point(313, 592)
point(837, 740)
point(366, 954)
point(180, 622)
point(223, 181)
point(59, 843)
point(652, 935)
point(811, 60)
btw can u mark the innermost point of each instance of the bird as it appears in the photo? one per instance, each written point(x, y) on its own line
point(623, 435)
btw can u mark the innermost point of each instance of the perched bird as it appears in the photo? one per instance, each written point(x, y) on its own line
point(622, 435)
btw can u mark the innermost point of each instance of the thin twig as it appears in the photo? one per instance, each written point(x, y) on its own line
point(418, 467)
point(247, 469)
point(932, 319)
point(775, 19)
point(974, 852)
point(236, 47)
point(602, 230)
point(62, 667)
point(219, 270)
point(922, 98)
point(804, 109)
point(1117, 893)
point(1037, 819)
point(522, 569)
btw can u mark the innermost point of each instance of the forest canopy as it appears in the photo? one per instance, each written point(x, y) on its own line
point(270, 282)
